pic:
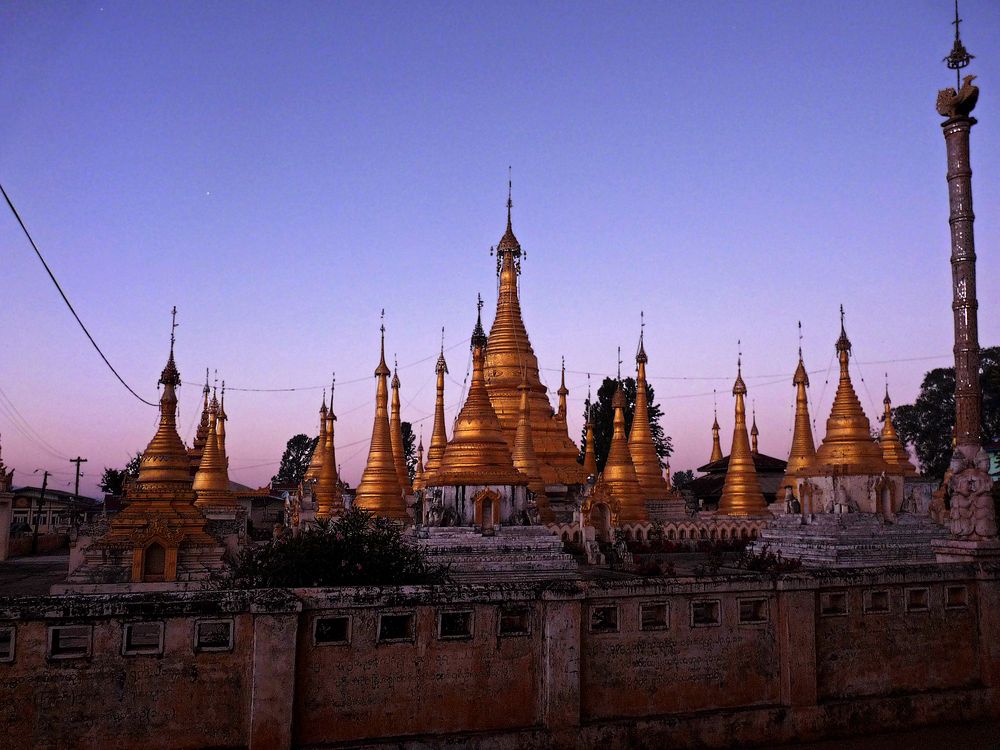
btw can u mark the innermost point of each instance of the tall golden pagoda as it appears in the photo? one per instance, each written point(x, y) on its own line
point(201, 435)
point(640, 439)
point(589, 456)
point(741, 494)
point(211, 483)
point(716, 443)
point(161, 533)
point(619, 480)
point(418, 474)
point(477, 453)
point(848, 447)
point(525, 459)
point(327, 490)
point(893, 451)
point(803, 449)
point(396, 433)
point(508, 356)
point(220, 429)
point(439, 435)
point(379, 490)
point(316, 461)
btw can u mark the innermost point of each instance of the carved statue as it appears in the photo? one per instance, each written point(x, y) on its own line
point(972, 512)
point(789, 500)
point(958, 104)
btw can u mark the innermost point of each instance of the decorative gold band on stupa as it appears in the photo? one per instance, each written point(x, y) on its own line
point(508, 358)
point(396, 433)
point(848, 447)
point(477, 453)
point(640, 440)
point(619, 480)
point(893, 451)
point(803, 450)
point(379, 490)
point(439, 435)
point(741, 493)
point(165, 467)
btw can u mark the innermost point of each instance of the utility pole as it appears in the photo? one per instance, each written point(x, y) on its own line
point(38, 512)
point(76, 490)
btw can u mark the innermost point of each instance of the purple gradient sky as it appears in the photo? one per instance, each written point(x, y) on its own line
point(282, 172)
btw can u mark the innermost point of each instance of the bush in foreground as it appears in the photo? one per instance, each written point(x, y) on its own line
point(357, 549)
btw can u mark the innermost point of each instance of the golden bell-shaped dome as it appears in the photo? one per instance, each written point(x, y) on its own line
point(741, 493)
point(379, 490)
point(477, 453)
point(803, 450)
point(848, 447)
point(525, 460)
point(619, 480)
point(640, 440)
point(439, 435)
point(165, 467)
point(893, 451)
point(396, 433)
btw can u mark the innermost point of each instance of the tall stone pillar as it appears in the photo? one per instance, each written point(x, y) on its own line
point(972, 515)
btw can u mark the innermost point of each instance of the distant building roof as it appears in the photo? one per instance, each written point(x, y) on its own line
point(82, 501)
point(762, 463)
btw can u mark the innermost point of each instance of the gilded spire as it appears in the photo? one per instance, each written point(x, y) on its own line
point(316, 461)
point(754, 432)
point(589, 456)
point(379, 490)
point(563, 392)
point(803, 449)
point(848, 447)
point(509, 357)
point(396, 433)
point(201, 435)
point(477, 453)
point(893, 451)
point(716, 443)
point(439, 435)
point(418, 474)
point(741, 494)
point(220, 430)
point(327, 491)
point(525, 460)
point(165, 468)
point(640, 440)
point(211, 483)
point(619, 479)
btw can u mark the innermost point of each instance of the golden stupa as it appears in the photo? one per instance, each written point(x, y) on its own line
point(211, 482)
point(396, 433)
point(439, 436)
point(201, 435)
point(803, 450)
point(640, 439)
point(741, 494)
point(619, 480)
point(477, 453)
point(418, 473)
point(525, 459)
point(716, 443)
point(848, 447)
point(893, 451)
point(220, 428)
point(316, 460)
point(327, 491)
point(379, 490)
point(508, 358)
point(754, 434)
point(563, 392)
point(589, 456)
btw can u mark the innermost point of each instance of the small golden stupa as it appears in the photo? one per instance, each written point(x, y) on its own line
point(803, 450)
point(201, 435)
point(893, 451)
point(211, 482)
point(848, 447)
point(619, 480)
point(741, 493)
point(439, 435)
point(716, 443)
point(640, 439)
point(589, 456)
point(396, 433)
point(477, 453)
point(418, 473)
point(525, 460)
point(327, 490)
point(379, 490)
point(316, 461)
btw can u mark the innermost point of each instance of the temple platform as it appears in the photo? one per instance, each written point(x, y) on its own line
point(515, 553)
point(852, 540)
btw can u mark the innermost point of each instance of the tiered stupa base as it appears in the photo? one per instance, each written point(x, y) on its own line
point(509, 553)
point(849, 540)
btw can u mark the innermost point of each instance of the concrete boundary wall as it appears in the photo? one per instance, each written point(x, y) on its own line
point(610, 663)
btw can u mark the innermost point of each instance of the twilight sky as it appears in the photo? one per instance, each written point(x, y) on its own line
point(281, 172)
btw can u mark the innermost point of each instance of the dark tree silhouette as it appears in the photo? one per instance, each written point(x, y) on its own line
point(682, 479)
point(295, 459)
point(602, 417)
point(409, 449)
point(113, 480)
point(928, 422)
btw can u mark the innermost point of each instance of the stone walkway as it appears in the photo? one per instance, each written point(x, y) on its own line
point(32, 576)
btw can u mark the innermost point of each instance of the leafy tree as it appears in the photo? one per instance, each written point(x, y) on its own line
point(409, 449)
point(682, 479)
point(295, 460)
point(357, 549)
point(927, 424)
point(113, 480)
point(602, 418)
